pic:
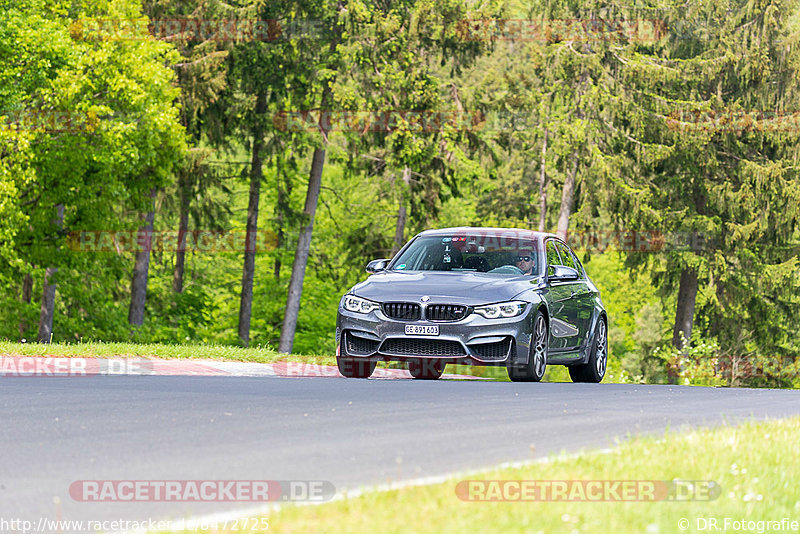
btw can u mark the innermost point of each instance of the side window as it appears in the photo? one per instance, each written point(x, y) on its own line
point(552, 256)
point(566, 256)
point(413, 262)
point(579, 265)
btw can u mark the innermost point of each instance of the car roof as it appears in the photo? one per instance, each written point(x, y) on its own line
point(520, 231)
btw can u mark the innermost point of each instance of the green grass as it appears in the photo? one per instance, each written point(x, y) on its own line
point(97, 349)
point(156, 350)
point(260, 354)
point(755, 464)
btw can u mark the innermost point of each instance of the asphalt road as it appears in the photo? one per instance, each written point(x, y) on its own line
point(56, 431)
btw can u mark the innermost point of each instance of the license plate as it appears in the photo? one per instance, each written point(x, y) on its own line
point(420, 330)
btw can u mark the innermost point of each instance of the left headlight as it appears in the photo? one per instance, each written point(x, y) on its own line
point(501, 310)
point(358, 305)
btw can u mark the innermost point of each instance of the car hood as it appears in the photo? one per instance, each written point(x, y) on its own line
point(468, 288)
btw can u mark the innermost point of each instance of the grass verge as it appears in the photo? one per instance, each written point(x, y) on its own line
point(98, 349)
point(755, 465)
point(260, 354)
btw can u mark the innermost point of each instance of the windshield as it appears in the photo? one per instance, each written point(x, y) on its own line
point(478, 252)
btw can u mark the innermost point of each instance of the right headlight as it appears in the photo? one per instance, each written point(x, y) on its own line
point(501, 310)
point(358, 305)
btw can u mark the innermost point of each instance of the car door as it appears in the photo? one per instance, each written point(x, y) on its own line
point(582, 293)
point(564, 332)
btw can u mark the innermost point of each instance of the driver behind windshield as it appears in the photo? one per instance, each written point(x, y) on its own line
point(524, 261)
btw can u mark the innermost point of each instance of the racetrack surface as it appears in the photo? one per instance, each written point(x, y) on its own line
point(350, 432)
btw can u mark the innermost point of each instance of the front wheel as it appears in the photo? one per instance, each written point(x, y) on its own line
point(352, 368)
point(533, 371)
point(425, 369)
point(595, 369)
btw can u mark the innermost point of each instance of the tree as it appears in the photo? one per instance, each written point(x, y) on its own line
point(141, 267)
point(309, 212)
point(545, 91)
point(202, 76)
point(267, 75)
point(121, 139)
point(706, 167)
point(398, 50)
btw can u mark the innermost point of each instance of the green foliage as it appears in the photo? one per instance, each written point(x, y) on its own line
point(696, 364)
point(616, 109)
point(735, 187)
point(636, 321)
point(122, 141)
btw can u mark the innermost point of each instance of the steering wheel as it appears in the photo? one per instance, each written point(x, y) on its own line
point(507, 269)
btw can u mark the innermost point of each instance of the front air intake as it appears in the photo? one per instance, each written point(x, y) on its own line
point(446, 312)
point(421, 347)
point(402, 311)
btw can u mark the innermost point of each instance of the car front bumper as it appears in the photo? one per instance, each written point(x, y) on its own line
point(473, 340)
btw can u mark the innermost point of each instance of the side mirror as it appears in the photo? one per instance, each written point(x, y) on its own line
point(376, 266)
point(563, 273)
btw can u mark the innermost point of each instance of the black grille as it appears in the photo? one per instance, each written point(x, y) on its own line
point(491, 351)
point(445, 312)
point(404, 311)
point(422, 347)
point(359, 345)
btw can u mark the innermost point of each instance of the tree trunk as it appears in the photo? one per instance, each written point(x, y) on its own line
point(543, 187)
point(183, 227)
point(282, 208)
point(566, 201)
point(249, 269)
point(27, 293)
point(304, 240)
point(400, 229)
point(48, 305)
point(278, 238)
point(47, 309)
point(684, 317)
point(27, 288)
point(684, 311)
point(141, 266)
point(568, 191)
point(278, 244)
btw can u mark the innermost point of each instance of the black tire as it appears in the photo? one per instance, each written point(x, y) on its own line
point(534, 370)
point(426, 369)
point(352, 368)
point(595, 369)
